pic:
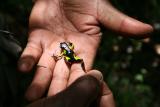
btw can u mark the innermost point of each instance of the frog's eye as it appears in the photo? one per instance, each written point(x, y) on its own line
point(71, 45)
point(63, 45)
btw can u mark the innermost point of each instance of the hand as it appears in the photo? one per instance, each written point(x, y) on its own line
point(75, 95)
point(76, 21)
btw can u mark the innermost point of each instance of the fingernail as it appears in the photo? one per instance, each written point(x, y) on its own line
point(97, 74)
point(25, 64)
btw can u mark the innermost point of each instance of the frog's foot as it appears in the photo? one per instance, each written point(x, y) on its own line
point(56, 58)
point(83, 65)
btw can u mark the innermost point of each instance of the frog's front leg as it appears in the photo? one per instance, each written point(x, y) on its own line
point(58, 57)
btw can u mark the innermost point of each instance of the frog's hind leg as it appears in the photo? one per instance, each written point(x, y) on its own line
point(79, 60)
point(83, 65)
point(68, 60)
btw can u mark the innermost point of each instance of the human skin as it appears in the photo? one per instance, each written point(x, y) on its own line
point(77, 21)
point(83, 92)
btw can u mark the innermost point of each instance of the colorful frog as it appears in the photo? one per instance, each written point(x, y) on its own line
point(68, 53)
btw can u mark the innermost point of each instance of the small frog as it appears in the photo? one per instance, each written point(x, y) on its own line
point(68, 53)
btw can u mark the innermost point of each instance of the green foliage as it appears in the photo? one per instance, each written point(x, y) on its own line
point(128, 69)
point(131, 67)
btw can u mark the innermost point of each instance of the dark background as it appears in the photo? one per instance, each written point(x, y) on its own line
point(130, 67)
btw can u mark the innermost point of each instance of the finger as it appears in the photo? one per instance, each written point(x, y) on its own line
point(31, 53)
point(42, 77)
point(76, 72)
point(29, 57)
point(60, 78)
point(79, 69)
point(97, 74)
point(107, 99)
point(115, 20)
point(80, 94)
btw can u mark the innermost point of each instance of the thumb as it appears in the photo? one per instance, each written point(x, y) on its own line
point(117, 21)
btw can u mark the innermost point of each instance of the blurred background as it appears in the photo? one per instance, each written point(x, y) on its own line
point(130, 67)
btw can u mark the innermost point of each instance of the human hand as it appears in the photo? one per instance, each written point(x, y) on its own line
point(76, 21)
point(84, 92)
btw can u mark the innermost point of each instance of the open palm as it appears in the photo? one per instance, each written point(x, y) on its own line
point(76, 21)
